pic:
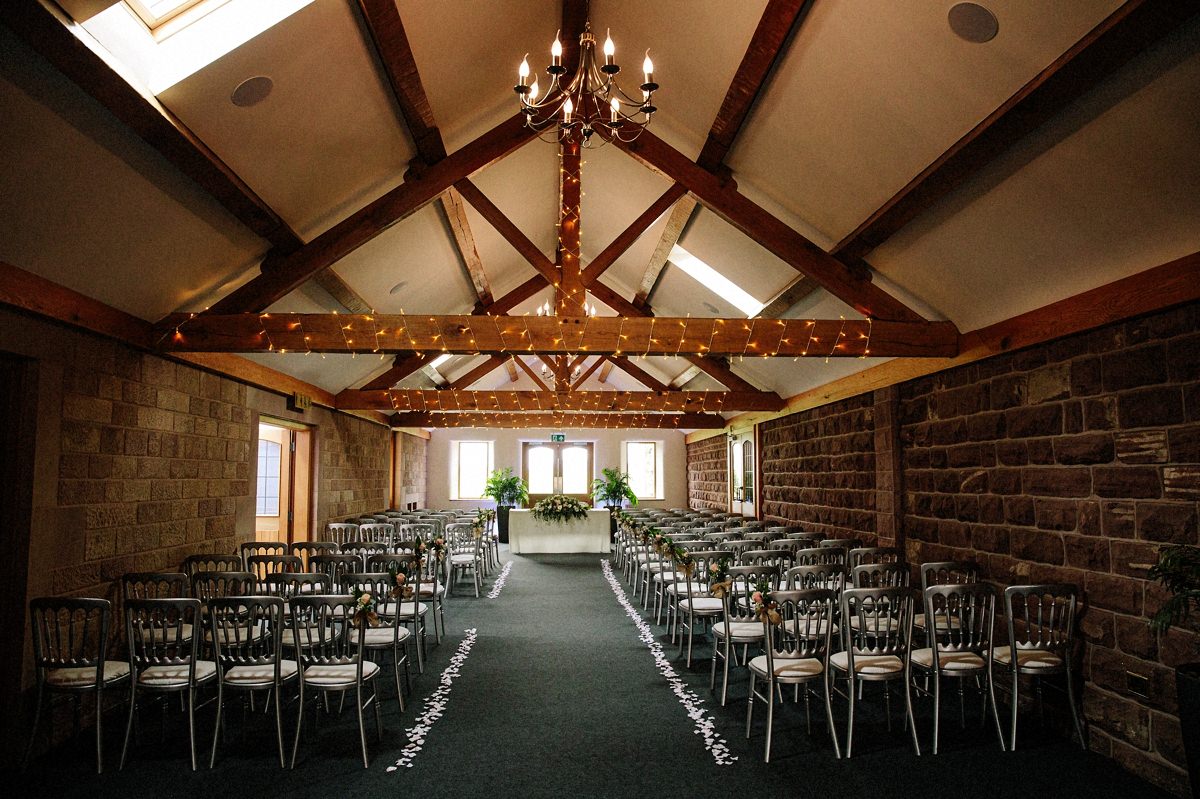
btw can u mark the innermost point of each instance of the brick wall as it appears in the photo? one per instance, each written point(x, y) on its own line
point(354, 468)
point(708, 474)
point(1072, 462)
point(414, 467)
point(818, 469)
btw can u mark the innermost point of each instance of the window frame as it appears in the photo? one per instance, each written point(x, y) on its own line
point(659, 478)
point(277, 478)
point(456, 459)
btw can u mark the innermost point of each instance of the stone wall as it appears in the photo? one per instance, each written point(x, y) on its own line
point(414, 469)
point(354, 471)
point(708, 474)
point(818, 469)
point(1073, 462)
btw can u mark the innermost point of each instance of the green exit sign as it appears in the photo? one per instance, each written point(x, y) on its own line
point(558, 436)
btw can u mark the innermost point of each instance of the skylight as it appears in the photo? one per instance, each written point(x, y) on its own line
point(714, 281)
point(162, 42)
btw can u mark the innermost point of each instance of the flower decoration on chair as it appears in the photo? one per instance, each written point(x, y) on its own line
point(683, 559)
point(401, 589)
point(559, 508)
point(365, 613)
point(719, 581)
point(766, 609)
point(434, 545)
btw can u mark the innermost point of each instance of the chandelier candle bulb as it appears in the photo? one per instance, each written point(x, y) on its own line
point(610, 49)
point(648, 69)
point(556, 51)
point(523, 71)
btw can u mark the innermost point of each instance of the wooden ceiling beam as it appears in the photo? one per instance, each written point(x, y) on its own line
point(1129, 30)
point(609, 255)
point(534, 376)
point(341, 291)
point(493, 363)
point(626, 365)
point(510, 232)
point(464, 241)
point(719, 369)
point(402, 366)
point(681, 214)
point(766, 48)
point(511, 367)
point(722, 198)
point(600, 335)
point(283, 273)
point(428, 400)
point(795, 291)
point(561, 421)
point(85, 63)
point(605, 370)
point(512, 299)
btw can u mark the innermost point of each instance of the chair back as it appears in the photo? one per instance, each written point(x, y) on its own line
point(260, 548)
point(341, 533)
point(246, 631)
point(262, 565)
point(306, 549)
point(159, 633)
point(701, 559)
point(815, 538)
point(962, 616)
point(736, 546)
point(1041, 616)
point(949, 572)
point(876, 621)
point(379, 585)
point(461, 540)
point(334, 565)
point(861, 555)
point(210, 585)
point(779, 557)
point(403, 561)
point(377, 533)
point(792, 545)
point(211, 563)
point(829, 576)
point(149, 585)
point(821, 556)
point(285, 585)
point(415, 530)
point(744, 580)
point(844, 543)
point(363, 550)
point(720, 536)
point(319, 624)
point(70, 633)
point(880, 575)
point(763, 537)
point(805, 629)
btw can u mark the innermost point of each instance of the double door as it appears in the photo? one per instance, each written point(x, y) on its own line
point(558, 468)
point(741, 474)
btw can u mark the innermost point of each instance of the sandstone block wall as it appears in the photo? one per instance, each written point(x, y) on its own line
point(708, 474)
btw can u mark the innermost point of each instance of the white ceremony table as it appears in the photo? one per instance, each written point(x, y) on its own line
point(527, 535)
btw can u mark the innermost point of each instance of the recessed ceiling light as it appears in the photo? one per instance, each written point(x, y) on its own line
point(398, 287)
point(973, 23)
point(252, 91)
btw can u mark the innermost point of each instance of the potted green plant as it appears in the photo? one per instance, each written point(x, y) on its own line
point(509, 491)
point(613, 490)
point(1178, 569)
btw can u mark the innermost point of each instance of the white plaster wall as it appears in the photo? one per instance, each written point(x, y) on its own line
point(507, 452)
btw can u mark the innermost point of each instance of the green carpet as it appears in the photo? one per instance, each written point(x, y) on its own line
point(556, 695)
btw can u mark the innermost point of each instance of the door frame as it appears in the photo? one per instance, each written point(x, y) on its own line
point(558, 447)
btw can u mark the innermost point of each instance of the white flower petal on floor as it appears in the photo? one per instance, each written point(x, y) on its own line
point(691, 701)
point(498, 586)
point(435, 704)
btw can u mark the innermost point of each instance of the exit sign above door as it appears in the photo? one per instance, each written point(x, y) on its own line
point(558, 437)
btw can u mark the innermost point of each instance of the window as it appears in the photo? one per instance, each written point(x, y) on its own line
point(269, 454)
point(558, 468)
point(642, 460)
point(720, 285)
point(156, 13)
point(471, 463)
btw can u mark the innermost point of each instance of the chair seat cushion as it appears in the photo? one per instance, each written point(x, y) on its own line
point(262, 673)
point(788, 668)
point(331, 676)
point(740, 630)
point(389, 609)
point(81, 677)
point(868, 664)
point(462, 560)
point(1028, 658)
point(382, 636)
point(236, 635)
point(703, 604)
point(950, 661)
point(176, 676)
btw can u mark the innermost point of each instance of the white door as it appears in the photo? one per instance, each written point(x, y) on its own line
point(741, 474)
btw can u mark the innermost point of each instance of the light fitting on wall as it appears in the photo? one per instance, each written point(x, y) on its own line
point(572, 110)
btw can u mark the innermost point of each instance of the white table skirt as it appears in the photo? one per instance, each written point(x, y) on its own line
point(527, 535)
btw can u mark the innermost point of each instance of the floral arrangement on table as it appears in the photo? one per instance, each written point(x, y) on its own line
point(719, 581)
point(766, 609)
point(365, 613)
point(559, 508)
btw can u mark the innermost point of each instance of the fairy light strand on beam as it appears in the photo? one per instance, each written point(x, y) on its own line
point(837, 341)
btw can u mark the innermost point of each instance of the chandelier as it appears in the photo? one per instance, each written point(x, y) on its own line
point(590, 101)
point(545, 309)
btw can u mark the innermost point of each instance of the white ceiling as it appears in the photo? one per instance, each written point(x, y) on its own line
point(866, 95)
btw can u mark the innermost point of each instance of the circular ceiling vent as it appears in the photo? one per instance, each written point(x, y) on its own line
point(252, 91)
point(973, 23)
point(396, 289)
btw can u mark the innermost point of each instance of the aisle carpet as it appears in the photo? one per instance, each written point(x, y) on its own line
point(557, 696)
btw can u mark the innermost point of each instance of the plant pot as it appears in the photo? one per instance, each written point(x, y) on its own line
point(502, 523)
point(1187, 691)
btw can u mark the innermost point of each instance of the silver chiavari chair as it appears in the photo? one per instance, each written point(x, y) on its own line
point(861, 555)
point(739, 627)
point(700, 608)
point(211, 563)
point(306, 549)
point(392, 634)
point(341, 533)
point(260, 548)
point(377, 533)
